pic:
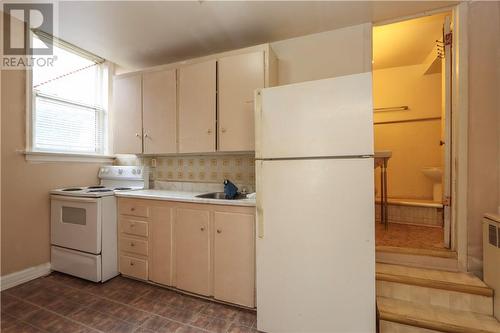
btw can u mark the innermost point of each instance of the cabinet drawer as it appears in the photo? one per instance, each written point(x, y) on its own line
point(133, 227)
point(136, 246)
point(133, 208)
point(134, 267)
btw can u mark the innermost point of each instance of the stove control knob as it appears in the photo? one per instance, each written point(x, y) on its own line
point(138, 171)
point(120, 171)
point(133, 171)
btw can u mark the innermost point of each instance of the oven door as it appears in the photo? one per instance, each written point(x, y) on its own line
point(76, 223)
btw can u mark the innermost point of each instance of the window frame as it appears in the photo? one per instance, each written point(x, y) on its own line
point(102, 156)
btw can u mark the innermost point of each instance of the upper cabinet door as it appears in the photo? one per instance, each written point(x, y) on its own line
point(127, 118)
point(159, 104)
point(239, 77)
point(197, 107)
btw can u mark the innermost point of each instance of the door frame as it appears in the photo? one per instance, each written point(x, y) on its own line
point(459, 126)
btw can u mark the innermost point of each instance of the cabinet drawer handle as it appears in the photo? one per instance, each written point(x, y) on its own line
point(219, 231)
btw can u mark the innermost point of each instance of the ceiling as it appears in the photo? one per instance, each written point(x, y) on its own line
point(137, 34)
point(406, 43)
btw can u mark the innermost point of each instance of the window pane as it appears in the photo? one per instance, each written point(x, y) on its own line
point(71, 77)
point(69, 107)
point(66, 127)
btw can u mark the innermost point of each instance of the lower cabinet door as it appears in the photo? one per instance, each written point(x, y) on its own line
point(160, 242)
point(192, 250)
point(234, 258)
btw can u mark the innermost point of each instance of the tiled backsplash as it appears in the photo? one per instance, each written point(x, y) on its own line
point(240, 169)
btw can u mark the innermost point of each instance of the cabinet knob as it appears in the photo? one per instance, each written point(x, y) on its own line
point(132, 225)
point(146, 135)
point(132, 209)
point(202, 228)
point(209, 131)
point(219, 231)
point(223, 130)
point(137, 135)
point(132, 244)
point(131, 263)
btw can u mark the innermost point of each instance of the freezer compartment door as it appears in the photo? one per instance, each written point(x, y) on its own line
point(316, 246)
point(331, 117)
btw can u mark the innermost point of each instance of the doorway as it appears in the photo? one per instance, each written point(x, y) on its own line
point(412, 124)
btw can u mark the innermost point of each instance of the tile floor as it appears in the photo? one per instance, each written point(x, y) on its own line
point(411, 236)
point(63, 304)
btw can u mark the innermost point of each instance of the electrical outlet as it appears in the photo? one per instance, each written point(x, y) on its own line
point(153, 163)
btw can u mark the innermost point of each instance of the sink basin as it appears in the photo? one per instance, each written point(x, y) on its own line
point(220, 196)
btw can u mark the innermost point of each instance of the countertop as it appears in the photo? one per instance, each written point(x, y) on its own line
point(182, 196)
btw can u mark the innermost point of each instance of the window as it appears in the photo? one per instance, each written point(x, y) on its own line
point(69, 102)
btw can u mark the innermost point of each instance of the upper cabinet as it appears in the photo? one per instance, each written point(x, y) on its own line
point(159, 109)
point(197, 107)
point(127, 118)
point(238, 77)
point(145, 113)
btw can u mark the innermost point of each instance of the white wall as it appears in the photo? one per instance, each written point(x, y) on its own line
point(484, 116)
point(327, 54)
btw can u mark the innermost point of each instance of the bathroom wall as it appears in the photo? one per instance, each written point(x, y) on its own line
point(413, 135)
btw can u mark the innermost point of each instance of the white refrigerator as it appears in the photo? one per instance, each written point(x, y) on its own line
point(315, 207)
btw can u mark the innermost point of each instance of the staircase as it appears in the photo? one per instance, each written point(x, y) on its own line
point(423, 300)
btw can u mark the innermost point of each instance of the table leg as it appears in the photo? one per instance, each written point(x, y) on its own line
point(385, 203)
point(382, 219)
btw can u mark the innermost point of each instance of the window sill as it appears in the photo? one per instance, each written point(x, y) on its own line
point(41, 156)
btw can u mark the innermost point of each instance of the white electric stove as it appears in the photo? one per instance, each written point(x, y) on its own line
point(84, 223)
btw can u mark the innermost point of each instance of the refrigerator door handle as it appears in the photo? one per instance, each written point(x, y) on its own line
point(259, 209)
point(260, 222)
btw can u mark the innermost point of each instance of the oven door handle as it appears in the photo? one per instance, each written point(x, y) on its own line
point(74, 199)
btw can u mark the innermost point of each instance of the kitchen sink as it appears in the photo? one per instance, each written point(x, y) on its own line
point(220, 196)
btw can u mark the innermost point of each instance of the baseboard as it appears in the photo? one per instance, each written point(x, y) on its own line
point(16, 278)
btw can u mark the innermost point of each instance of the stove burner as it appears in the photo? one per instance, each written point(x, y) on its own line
point(122, 188)
point(96, 186)
point(72, 189)
point(103, 190)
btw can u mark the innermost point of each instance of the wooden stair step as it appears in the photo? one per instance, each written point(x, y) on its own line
point(428, 258)
point(441, 253)
point(433, 278)
point(434, 317)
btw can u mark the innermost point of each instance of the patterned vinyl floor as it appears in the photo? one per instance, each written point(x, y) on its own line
point(59, 303)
